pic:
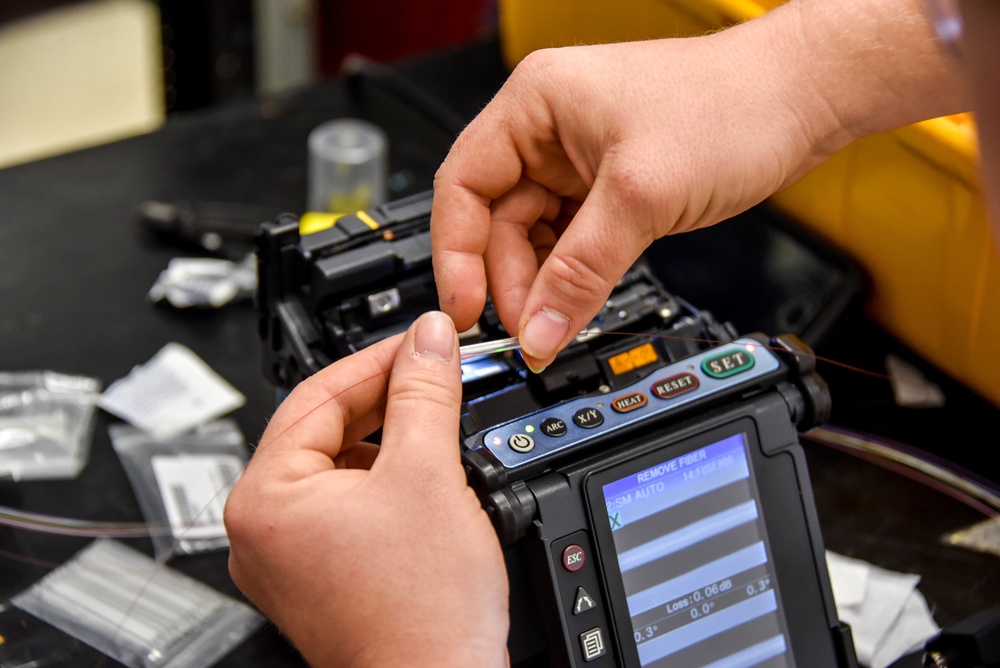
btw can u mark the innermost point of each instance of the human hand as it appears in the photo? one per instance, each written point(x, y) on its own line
point(365, 555)
point(588, 154)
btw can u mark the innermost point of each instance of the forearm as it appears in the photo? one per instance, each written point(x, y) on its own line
point(876, 64)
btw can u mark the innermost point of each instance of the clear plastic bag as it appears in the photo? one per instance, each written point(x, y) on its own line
point(183, 482)
point(144, 614)
point(46, 424)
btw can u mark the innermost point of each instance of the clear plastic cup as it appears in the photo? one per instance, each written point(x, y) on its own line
point(348, 166)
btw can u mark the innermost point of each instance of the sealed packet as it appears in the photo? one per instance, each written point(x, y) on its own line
point(46, 424)
point(183, 481)
point(137, 611)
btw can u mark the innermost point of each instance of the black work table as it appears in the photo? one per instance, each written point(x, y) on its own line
point(76, 269)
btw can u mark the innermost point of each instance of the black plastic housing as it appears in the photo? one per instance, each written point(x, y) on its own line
point(608, 404)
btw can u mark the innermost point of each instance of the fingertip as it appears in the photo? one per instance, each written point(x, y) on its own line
point(435, 337)
point(544, 334)
point(463, 305)
point(535, 366)
point(457, 246)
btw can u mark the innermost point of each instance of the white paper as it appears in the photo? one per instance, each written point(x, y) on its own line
point(849, 578)
point(172, 393)
point(888, 616)
point(911, 630)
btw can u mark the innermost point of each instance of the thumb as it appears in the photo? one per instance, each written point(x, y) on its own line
point(574, 281)
point(420, 432)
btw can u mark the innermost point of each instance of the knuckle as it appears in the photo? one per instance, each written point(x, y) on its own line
point(577, 280)
point(536, 63)
point(426, 389)
point(636, 189)
point(238, 520)
point(505, 295)
point(250, 515)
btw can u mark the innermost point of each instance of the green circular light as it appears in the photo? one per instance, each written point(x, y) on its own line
point(529, 428)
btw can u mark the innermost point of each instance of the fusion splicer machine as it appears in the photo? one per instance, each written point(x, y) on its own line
point(648, 487)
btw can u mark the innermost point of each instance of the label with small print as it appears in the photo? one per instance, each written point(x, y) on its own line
point(194, 489)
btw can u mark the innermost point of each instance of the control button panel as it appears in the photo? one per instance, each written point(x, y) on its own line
point(543, 433)
point(580, 601)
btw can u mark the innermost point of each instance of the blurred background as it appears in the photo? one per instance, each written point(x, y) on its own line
point(77, 73)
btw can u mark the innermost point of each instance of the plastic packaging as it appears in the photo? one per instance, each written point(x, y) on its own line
point(46, 424)
point(183, 481)
point(207, 282)
point(137, 611)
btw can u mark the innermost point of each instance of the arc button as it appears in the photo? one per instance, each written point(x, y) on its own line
point(554, 427)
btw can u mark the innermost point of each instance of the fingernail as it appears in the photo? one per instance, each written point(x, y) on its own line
point(532, 368)
point(543, 333)
point(434, 337)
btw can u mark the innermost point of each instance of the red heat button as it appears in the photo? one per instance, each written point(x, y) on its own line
point(629, 402)
point(668, 388)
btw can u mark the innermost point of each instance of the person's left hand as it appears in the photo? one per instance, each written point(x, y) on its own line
point(366, 555)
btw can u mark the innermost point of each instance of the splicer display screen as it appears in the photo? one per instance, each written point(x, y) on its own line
point(694, 561)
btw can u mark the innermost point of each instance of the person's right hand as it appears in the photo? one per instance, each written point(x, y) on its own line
point(588, 154)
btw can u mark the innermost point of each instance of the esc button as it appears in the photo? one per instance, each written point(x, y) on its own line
point(573, 558)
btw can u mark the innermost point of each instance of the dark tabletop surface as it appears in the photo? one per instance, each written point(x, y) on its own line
point(75, 269)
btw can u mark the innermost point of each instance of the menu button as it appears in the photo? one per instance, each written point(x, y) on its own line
point(592, 644)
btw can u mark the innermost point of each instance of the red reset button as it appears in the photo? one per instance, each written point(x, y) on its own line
point(573, 558)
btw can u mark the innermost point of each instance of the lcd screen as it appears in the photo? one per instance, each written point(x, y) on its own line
point(694, 561)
